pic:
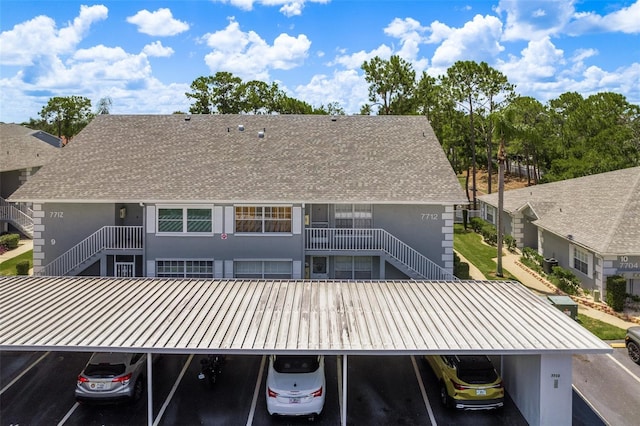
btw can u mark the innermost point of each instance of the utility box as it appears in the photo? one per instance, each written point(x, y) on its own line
point(566, 305)
point(548, 264)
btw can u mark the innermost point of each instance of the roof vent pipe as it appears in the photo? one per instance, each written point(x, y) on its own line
point(261, 134)
point(241, 127)
point(187, 117)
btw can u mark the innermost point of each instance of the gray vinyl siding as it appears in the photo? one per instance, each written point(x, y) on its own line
point(417, 226)
point(65, 225)
point(9, 182)
point(233, 247)
point(558, 248)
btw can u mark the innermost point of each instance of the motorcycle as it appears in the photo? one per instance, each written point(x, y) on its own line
point(211, 368)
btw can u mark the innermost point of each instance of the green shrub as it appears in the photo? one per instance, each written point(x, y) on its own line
point(532, 258)
point(510, 242)
point(616, 292)
point(460, 269)
point(477, 224)
point(10, 241)
point(565, 280)
point(22, 267)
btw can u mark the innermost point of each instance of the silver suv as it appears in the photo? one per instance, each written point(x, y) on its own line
point(112, 377)
point(632, 341)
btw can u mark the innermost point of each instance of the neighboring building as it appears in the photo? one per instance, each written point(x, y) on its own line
point(247, 196)
point(22, 152)
point(590, 225)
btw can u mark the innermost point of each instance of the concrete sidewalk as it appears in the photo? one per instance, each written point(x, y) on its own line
point(530, 279)
point(23, 246)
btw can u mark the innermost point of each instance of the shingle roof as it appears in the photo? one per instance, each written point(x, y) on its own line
point(302, 158)
point(600, 212)
point(265, 316)
point(22, 148)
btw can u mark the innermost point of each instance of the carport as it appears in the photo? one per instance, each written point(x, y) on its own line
point(198, 316)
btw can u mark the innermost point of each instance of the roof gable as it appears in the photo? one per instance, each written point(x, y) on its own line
point(24, 148)
point(601, 212)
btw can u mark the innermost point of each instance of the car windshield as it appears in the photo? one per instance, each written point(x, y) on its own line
point(104, 370)
point(296, 364)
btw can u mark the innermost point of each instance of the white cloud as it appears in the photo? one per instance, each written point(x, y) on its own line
point(38, 37)
point(409, 31)
point(439, 32)
point(477, 40)
point(288, 7)
point(355, 60)
point(346, 87)
point(625, 20)
point(158, 23)
point(582, 54)
point(248, 56)
point(539, 60)
point(158, 50)
point(535, 19)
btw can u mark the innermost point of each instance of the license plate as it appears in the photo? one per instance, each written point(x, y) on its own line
point(99, 386)
point(480, 392)
point(295, 400)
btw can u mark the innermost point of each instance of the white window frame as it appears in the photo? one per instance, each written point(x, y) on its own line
point(263, 269)
point(356, 213)
point(575, 253)
point(185, 215)
point(184, 273)
point(356, 266)
point(490, 214)
point(264, 219)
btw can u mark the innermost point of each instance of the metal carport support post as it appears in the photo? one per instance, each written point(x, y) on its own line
point(149, 390)
point(343, 415)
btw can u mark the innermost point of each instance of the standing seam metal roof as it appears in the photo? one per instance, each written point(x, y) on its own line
point(260, 316)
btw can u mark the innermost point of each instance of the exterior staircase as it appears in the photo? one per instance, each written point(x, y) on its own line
point(398, 253)
point(18, 215)
point(91, 248)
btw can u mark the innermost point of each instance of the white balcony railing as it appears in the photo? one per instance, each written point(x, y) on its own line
point(105, 238)
point(338, 239)
point(19, 214)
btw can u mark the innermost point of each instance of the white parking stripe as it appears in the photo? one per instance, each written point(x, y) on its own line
point(624, 368)
point(256, 392)
point(173, 390)
point(23, 373)
point(425, 398)
point(69, 413)
point(586, 401)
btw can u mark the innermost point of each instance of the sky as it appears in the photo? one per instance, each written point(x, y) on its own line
point(145, 54)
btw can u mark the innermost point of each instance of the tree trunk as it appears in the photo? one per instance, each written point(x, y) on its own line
point(499, 231)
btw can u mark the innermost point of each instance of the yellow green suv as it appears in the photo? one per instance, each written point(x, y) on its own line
point(468, 382)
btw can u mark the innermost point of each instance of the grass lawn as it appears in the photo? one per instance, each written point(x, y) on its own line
point(470, 245)
point(601, 329)
point(8, 267)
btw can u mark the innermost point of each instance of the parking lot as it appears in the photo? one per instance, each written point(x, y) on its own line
point(37, 388)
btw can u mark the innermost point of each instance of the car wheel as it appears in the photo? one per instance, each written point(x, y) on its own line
point(444, 396)
point(138, 389)
point(634, 352)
